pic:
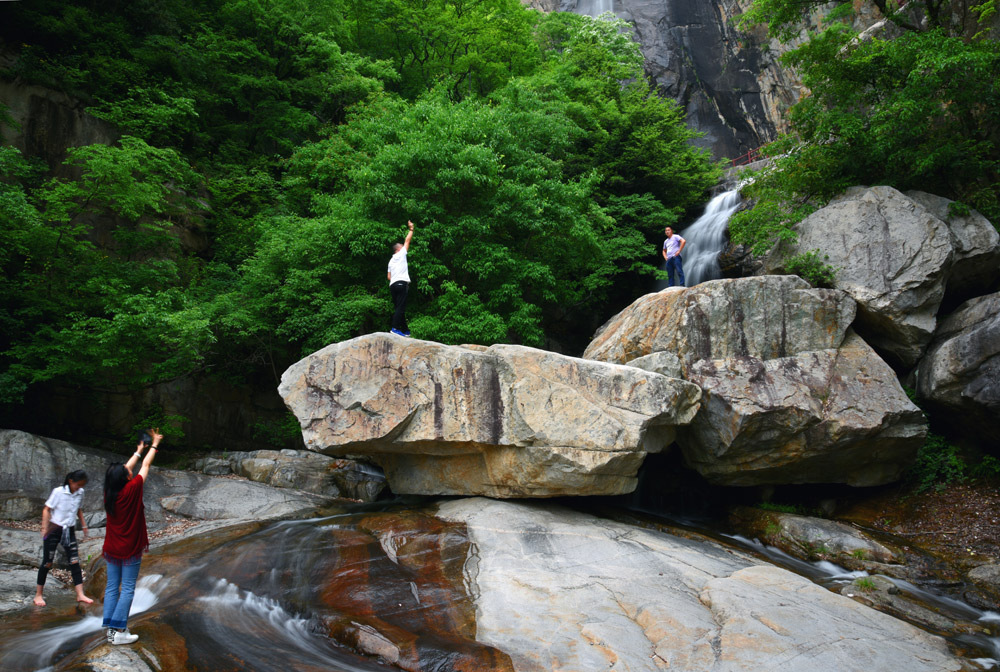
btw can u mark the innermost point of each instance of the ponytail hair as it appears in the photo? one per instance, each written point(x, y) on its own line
point(115, 479)
point(75, 476)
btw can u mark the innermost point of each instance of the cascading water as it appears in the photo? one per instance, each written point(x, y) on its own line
point(595, 7)
point(706, 238)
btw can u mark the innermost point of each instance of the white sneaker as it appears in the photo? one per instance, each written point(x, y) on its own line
point(122, 637)
point(111, 635)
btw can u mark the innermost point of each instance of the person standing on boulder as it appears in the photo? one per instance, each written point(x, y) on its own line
point(62, 509)
point(399, 282)
point(672, 247)
point(125, 539)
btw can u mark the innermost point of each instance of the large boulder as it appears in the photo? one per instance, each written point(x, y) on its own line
point(961, 372)
point(763, 317)
point(509, 421)
point(835, 415)
point(790, 394)
point(897, 254)
point(562, 590)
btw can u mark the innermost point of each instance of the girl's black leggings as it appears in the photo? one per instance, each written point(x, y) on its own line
point(53, 539)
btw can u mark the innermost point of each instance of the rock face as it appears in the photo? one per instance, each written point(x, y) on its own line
point(819, 416)
point(556, 589)
point(790, 394)
point(509, 421)
point(961, 371)
point(896, 257)
point(301, 470)
point(731, 89)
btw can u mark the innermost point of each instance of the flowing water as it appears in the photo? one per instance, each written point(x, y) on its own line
point(595, 7)
point(309, 595)
point(706, 238)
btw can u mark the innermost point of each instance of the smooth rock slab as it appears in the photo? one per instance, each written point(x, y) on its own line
point(509, 421)
point(561, 590)
point(829, 416)
point(764, 317)
point(961, 372)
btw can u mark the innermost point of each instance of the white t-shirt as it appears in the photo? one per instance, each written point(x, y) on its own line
point(673, 245)
point(64, 505)
point(398, 270)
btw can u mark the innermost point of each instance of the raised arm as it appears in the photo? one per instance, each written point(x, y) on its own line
point(409, 236)
point(136, 456)
point(151, 455)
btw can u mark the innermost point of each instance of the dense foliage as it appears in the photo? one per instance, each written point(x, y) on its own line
point(916, 106)
point(291, 140)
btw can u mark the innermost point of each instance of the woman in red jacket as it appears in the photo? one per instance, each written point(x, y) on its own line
point(125, 538)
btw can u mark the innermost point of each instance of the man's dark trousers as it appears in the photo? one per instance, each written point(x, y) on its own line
point(398, 291)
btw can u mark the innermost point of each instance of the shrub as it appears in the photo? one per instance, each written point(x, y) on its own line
point(812, 269)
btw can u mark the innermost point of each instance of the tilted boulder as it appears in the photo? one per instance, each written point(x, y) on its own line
point(509, 421)
point(961, 371)
point(764, 317)
point(790, 394)
point(835, 415)
point(897, 255)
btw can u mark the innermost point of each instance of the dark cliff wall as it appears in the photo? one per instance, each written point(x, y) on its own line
point(728, 82)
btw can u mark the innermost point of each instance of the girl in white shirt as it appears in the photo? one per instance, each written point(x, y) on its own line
point(62, 508)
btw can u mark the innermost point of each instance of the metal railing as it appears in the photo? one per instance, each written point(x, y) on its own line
point(748, 158)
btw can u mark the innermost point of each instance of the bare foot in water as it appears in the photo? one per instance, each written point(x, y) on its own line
point(39, 602)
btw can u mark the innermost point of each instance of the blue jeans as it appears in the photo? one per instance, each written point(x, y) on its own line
point(674, 267)
point(118, 601)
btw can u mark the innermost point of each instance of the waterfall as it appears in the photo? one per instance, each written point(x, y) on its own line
point(706, 238)
point(595, 7)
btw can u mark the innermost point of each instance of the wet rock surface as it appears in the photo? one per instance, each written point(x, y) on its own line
point(509, 421)
point(811, 538)
point(562, 590)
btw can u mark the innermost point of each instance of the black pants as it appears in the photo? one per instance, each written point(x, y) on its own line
point(398, 291)
point(56, 536)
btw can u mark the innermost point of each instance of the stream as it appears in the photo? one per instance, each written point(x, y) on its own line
point(308, 594)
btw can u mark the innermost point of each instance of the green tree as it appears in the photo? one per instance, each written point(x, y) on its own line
point(917, 111)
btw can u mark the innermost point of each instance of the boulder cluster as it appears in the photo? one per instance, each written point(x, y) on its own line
point(925, 273)
point(761, 380)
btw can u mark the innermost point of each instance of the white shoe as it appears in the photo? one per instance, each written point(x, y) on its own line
point(122, 637)
point(111, 635)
